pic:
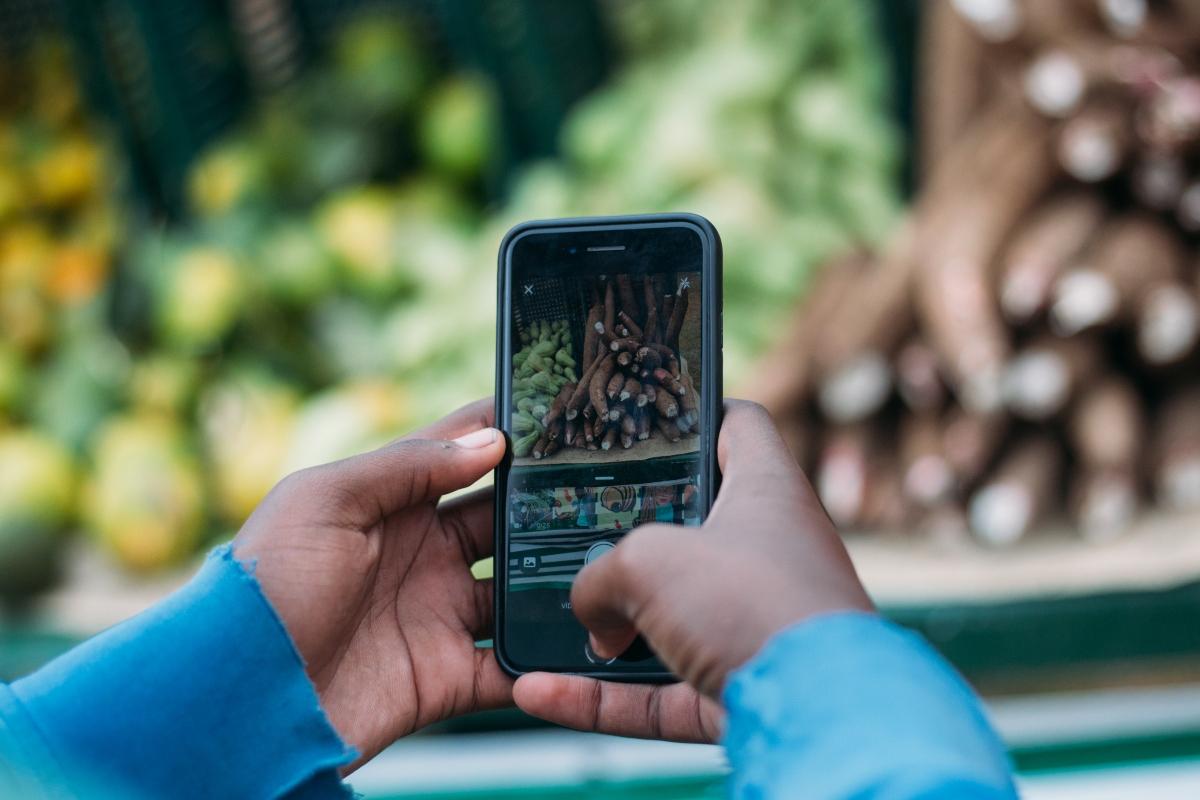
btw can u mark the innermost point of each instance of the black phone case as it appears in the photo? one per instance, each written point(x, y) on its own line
point(711, 395)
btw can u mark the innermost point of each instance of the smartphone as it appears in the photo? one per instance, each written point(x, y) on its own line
point(608, 387)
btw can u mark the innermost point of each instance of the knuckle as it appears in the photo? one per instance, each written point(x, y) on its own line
point(318, 486)
point(640, 548)
point(480, 411)
point(596, 703)
point(748, 411)
point(654, 712)
point(298, 483)
point(485, 412)
point(625, 557)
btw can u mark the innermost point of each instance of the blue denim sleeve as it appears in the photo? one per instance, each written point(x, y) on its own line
point(849, 705)
point(203, 695)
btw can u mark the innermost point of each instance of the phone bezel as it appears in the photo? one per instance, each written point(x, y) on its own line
point(710, 395)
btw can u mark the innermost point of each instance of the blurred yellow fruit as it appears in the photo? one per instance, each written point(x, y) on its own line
point(163, 383)
point(222, 178)
point(99, 225)
point(37, 489)
point(26, 248)
point(12, 190)
point(77, 273)
point(247, 424)
point(347, 420)
point(24, 319)
point(144, 500)
point(68, 173)
point(37, 480)
point(358, 228)
point(202, 296)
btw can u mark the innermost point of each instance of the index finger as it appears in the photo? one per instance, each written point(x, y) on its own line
point(675, 712)
point(749, 437)
point(756, 465)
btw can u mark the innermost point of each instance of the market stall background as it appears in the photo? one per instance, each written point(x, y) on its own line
point(190, 314)
point(241, 238)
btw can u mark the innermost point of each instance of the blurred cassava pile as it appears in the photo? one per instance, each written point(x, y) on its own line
point(1026, 343)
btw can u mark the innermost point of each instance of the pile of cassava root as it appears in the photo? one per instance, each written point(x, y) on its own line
point(1024, 348)
point(632, 387)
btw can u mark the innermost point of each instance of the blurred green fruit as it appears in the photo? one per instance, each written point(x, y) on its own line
point(541, 190)
point(595, 134)
point(14, 378)
point(82, 381)
point(347, 333)
point(460, 127)
point(337, 155)
point(144, 500)
point(413, 333)
point(430, 197)
point(379, 64)
point(436, 256)
point(349, 419)
point(294, 265)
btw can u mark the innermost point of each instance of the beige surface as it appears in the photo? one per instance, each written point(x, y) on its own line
point(1160, 550)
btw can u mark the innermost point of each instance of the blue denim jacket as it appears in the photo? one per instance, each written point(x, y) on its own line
point(205, 696)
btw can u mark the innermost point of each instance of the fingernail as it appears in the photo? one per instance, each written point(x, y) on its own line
point(595, 645)
point(477, 439)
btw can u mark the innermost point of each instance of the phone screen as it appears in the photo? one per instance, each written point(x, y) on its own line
point(605, 375)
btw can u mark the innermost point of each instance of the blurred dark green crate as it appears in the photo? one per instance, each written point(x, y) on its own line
point(22, 21)
point(167, 74)
point(171, 75)
point(543, 55)
point(1046, 643)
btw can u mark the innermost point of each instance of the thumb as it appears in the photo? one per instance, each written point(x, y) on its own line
point(407, 472)
point(610, 595)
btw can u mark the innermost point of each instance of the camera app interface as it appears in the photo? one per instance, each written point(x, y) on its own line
point(605, 366)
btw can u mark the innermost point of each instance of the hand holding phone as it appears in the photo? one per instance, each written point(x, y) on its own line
point(371, 577)
point(767, 557)
point(608, 379)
